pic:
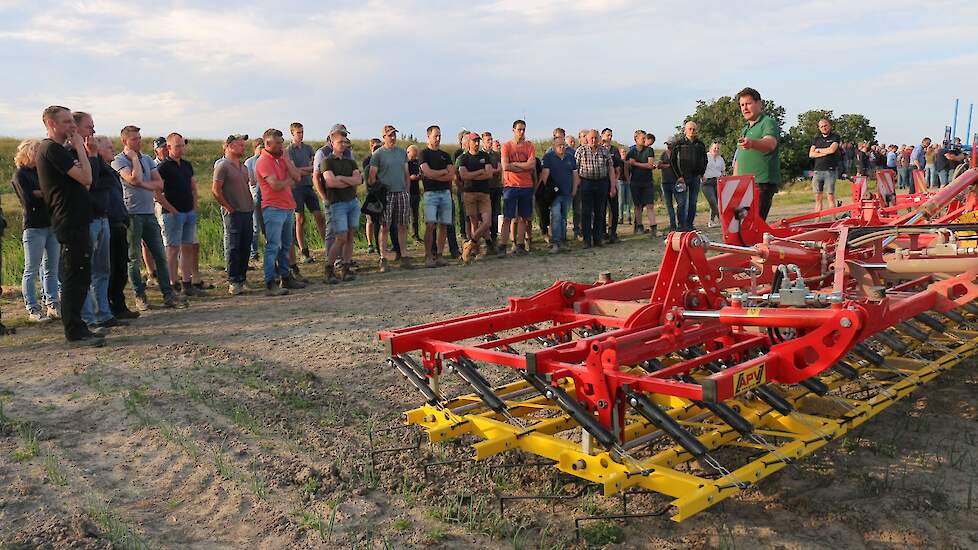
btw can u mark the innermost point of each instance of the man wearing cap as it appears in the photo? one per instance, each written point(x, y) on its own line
point(232, 191)
point(342, 179)
point(141, 180)
point(301, 155)
point(437, 174)
point(317, 176)
point(277, 176)
point(519, 164)
point(388, 166)
point(475, 170)
point(160, 148)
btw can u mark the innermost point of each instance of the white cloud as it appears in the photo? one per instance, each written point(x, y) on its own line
point(208, 68)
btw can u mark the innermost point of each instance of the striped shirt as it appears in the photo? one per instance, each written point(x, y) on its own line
point(593, 163)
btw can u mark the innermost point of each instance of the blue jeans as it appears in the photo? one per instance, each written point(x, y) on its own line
point(257, 225)
point(96, 308)
point(279, 231)
point(931, 176)
point(558, 218)
point(41, 250)
point(942, 177)
point(143, 228)
point(624, 200)
point(692, 195)
point(904, 179)
point(238, 235)
point(677, 210)
point(594, 204)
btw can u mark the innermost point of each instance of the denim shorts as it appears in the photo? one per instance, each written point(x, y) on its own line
point(179, 228)
point(438, 207)
point(823, 181)
point(517, 202)
point(344, 216)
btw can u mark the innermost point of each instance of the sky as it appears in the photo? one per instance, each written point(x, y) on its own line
point(206, 70)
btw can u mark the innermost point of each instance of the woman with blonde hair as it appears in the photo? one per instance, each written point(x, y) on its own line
point(41, 247)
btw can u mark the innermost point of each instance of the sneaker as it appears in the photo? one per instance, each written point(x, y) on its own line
point(555, 248)
point(272, 289)
point(292, 283)
point(587, 244)
point(306, 258)
point(612, 239)
point(346, 272)
point(639, 229)
point(142, 304)
point(203, 286)
point(382, 266)
point(440, 262)
point(36, 316)
point(430, 262)
point(187, 289)
point(329, 276)
point(406, 263)
point(53, 311)
point(652, 230)
point(126, 314)
point(235, 289)
point(152, 281)
point(518, 250)
point(501, 251)
point(371, 249)
point(97, 331)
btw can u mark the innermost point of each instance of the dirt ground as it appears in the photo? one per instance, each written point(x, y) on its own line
point(247, 422)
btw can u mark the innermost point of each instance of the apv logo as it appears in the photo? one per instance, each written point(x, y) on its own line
point(749, 378)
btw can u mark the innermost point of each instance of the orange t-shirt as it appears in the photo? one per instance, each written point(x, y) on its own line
point(267, 165)
point(518, 153)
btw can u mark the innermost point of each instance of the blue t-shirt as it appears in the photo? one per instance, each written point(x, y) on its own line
point(138, 200)
point(891, 160)
point(561, 170)
point(918, 155)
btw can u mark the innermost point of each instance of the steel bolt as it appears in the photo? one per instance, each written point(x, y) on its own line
point(602, 404)
point(845, 322)
point(669, 316)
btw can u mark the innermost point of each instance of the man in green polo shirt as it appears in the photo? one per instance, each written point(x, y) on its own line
point(759, 148)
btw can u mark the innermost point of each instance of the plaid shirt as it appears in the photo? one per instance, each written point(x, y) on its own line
point(593, 163)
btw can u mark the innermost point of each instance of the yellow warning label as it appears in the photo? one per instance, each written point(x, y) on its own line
point(753, 312)
point(749, 379)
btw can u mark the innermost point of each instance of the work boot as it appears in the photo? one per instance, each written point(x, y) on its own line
point(406, 263)
point(430, 262)
point(382, 265)
point(292, 283)
point(329, 276)
point(142, 304)
point(235, 289)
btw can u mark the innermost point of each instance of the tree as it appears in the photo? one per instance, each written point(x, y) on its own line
point(855, 128)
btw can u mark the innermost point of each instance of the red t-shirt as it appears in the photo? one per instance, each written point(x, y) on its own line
point(268, 165)
point(518, 153)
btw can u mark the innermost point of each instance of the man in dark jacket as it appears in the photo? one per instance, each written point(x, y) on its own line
point(688, 160)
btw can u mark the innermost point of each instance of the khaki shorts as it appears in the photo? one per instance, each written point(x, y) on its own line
point(476, 204)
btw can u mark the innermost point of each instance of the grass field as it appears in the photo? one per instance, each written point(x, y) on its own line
point(202, 154)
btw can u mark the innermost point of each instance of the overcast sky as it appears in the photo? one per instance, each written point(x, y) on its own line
point(206, 70)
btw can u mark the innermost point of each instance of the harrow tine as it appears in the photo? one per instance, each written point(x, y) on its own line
point(846, 370)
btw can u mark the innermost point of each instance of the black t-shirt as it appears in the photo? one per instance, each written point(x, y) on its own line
point(68, 201)
point(668, 174)
point(35, 211)
point(178, 183)
point(474, 163)
point(828, 162)
point(102, 184)
point(436, 159)
point(340, 167)
point(641, 175)
point(414, 169)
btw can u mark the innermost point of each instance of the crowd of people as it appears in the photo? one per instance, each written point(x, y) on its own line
point(93, 216)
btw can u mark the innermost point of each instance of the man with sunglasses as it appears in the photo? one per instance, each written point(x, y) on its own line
point(388, 166)
point(519, 163)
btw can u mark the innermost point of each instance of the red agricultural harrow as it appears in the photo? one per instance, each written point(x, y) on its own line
point(734, 360)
